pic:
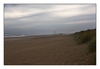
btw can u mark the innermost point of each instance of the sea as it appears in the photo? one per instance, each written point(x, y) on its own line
point(15, 35)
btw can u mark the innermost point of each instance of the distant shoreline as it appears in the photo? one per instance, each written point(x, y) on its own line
point(33, 37)
point(15, 36)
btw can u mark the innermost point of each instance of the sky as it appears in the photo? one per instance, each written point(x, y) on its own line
point(41, 19)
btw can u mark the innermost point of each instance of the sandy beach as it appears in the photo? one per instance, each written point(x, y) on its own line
point(45, 50)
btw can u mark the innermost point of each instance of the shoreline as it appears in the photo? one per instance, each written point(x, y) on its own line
point(34, 36)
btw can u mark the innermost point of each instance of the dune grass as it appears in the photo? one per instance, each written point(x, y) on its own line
point(92, 45)
point(93, 59)
point(85, 36)
point(89, 37)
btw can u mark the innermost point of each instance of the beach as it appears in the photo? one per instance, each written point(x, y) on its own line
point(45, 50)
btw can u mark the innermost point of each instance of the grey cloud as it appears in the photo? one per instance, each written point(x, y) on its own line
point(44, 23)
point(79, 18)
point(88, 7)
point(23, 7)
point(43, 18)
point(49, 29)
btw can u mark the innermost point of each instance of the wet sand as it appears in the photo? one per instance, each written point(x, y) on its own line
point(45, 50)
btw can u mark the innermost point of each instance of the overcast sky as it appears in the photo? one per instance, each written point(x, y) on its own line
point(46, 18)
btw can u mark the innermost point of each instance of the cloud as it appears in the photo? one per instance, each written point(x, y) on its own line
point(73, 10)
point(54, 10)
point(18, 11)
point(47, 17)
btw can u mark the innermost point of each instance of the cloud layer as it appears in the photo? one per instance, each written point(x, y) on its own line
point(44, 19)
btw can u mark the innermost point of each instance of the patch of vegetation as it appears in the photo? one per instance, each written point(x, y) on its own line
point(89, 37)
point(92, 45)
point(85, 36)
point(93, 60)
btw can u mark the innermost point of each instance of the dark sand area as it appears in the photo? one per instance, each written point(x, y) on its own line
point(45, 50)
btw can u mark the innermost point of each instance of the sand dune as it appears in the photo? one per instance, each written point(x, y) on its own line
point(45, 50)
